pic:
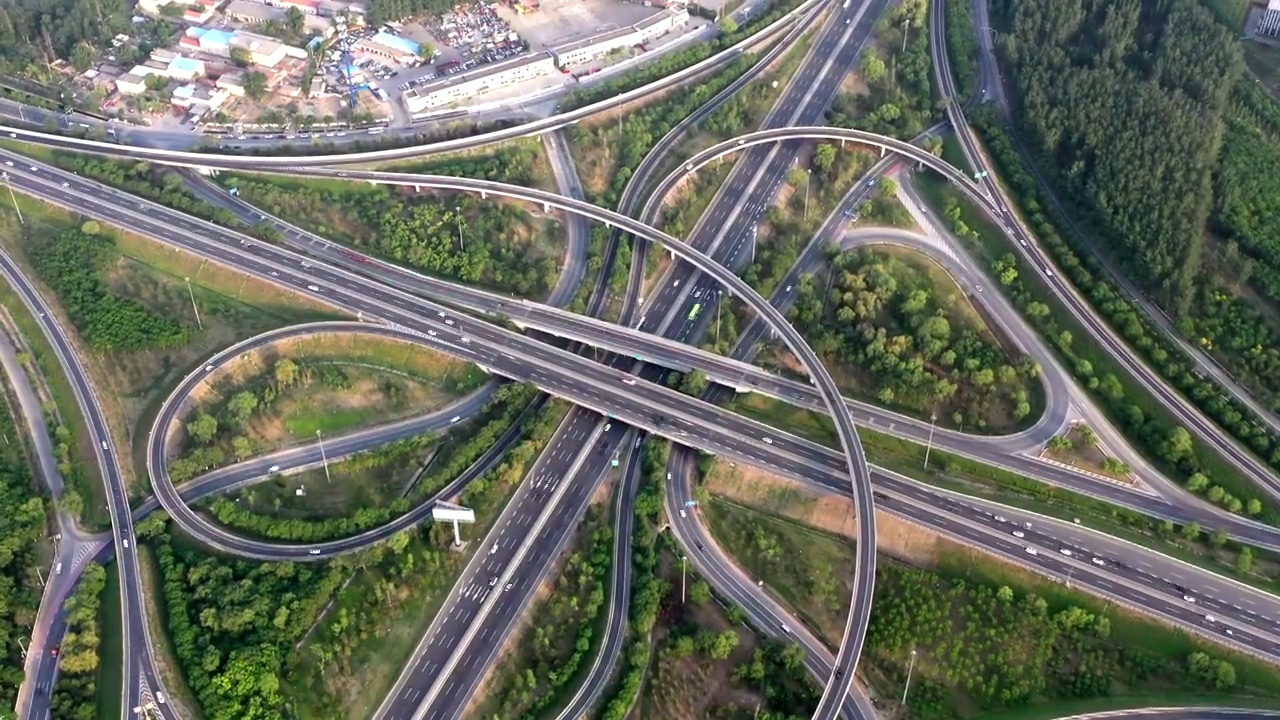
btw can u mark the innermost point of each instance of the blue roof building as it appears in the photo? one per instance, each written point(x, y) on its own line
point(398, 45)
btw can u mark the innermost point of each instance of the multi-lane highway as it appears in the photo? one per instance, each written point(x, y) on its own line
point(449, 665)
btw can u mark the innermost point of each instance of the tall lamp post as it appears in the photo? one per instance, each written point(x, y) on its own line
point(324, 460)
point(457, 214)
point(912, 666)
point(927, 448)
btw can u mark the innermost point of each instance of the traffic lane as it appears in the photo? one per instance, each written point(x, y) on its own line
point(1047, 560)
point(1209, 589)
point(516, 598)
point(472, 588)
point(453, 629)
point(131, 589)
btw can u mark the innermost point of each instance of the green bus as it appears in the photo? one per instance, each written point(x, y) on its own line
point(697, 308)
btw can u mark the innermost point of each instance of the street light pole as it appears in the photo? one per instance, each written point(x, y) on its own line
point(927, 448)
point(457, 214)
point(324, 460)
point(14, 198)
point(910, 667)
point(808, 178)
point(194, 309)
point(683, 560)
point(754, 229)
point(719, 302)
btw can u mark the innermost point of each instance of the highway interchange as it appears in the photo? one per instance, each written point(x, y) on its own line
point(571, 469)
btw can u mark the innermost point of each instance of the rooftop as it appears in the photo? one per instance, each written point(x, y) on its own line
point(395, 42)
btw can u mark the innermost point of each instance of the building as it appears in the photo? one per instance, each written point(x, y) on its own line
point(262, 50)
point(185, 69)
point(308, 7)
point(588, 49)
point(131, 84)
point(491, 77)
point(193, 11)
point(317, 88)
point(393, 47)
point(232, 82)
point(190, 96)
point(251, 13)
point(1269, 23)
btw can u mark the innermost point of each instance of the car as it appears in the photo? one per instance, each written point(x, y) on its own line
point(274, 468)
point(607, 426)
point(35, 169)
point(53, 651)
point(448, 321)
point(510, 585)
point(1065, 551)
point(1210, 618)
point(313, 552)
point(1099, 562)
point(1188, 598)
point(57, 569)
point(126, 542)
point(454, 419)
point(1019, 534)
point(682, 513)
point(788, 289)
point(160, 697)
point(1031, 551)
point(208, 368)
point(1229, 631)
point(628, 381)
point(493, 581)
point(979, 288)
point(9, 163)
point(104, 444)
point(767, 441)
point(432, 333)
point(66, 184)
point(1001, 518)
point(466, 341)
point(313, 288)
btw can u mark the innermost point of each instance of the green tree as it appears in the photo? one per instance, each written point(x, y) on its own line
point(241, 57)
point(203, 429)
point(255, 85)
point(700, 593)
point(295, 22)
point(1244, 560)
point(286, 372)
point(241, 406)
point(873, 68)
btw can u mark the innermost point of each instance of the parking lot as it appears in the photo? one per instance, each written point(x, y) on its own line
point(558, 22)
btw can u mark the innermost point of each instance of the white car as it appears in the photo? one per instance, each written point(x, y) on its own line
point(628, 381)
point(1065, 551)
point(1210, 618)
point(314, 552)
point(160, 697)
point(767, 441)
point(313, 288)
point(607, 426)
point(454, 419)
point(274, 468)
point(493, 581)
point(1099, 562)
point(510, 585)
point(1001, 518)
point(1019, 534)
point(1031, 551)
point(682, 513)
point(1188, 598)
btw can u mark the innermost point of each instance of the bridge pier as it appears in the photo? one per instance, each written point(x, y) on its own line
point(484, 195)
point(546, 207)
point(883, 150)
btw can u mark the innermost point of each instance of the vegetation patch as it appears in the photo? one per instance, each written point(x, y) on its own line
point(294, 392)
point(908, 337)
point(898, 74)
point(988, 637)
point(22, 529)
point(548, 655)
point(79, 659)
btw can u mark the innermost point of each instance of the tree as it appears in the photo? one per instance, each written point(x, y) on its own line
point(873, 68)
point(241, 406)
point(156, 83)
point(728, 25)
point(1198, 482)
point(1254, 506)
point(295, 22)
point(1179, 444)
point(824, 157)
point(286, 372)
point(1005, 594)
point(700, 593)
point(255, 85)
point(1060, 443)
point(718, 646)
point(1219, 538)
point(1244, 560)
point(1191, 531)
point(203, 429)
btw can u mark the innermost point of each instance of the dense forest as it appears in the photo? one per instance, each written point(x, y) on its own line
point(38, 32)
point(22, 526)
point(1123, 103)
point(75, 697)
point(72, 264)
point(883, 317)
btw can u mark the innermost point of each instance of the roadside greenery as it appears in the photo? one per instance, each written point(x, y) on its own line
point(75, 695)
point(458, 453)
point(1152, 430)
point(72, 263)
point(900, 94)
point(647, 587)
point(22, 528)
point(911, 344)
point(962, 47)
point(988, 638)
point(458, 237)
point(549, 653)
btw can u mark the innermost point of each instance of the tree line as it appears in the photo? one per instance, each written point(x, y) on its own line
point(22, 528)
point(72, 264)
point(457, 237)
point(75, 697)
point(36, 33)
point(1123, 106)
point(883, 316)
point(1149, 431)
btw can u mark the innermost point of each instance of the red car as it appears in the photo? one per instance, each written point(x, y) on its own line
point(54, 651)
